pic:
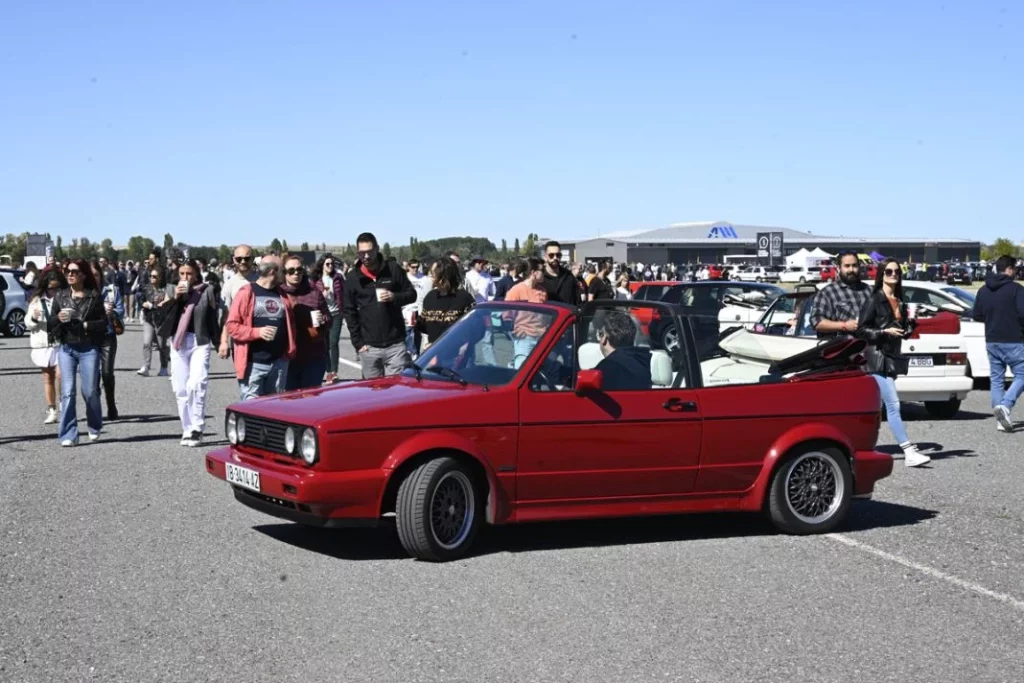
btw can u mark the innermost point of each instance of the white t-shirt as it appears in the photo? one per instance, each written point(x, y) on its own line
point(332, 305)
point(231, 287)
point(480, 285)
point(422, 285)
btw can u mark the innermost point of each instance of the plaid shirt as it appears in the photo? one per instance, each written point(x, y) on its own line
point(838, 302)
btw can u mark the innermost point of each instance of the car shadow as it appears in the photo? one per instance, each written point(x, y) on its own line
point(935, 451)
point(382, 543)
point(14, 372)
point(911, 412)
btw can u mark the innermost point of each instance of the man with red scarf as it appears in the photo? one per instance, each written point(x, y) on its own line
point(375, 292)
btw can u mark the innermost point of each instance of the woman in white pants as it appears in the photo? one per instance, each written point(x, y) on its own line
point(191, 328)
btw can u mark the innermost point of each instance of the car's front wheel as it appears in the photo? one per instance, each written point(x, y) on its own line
point(943, 410)
point(437, 512)
point(16, 324)
point(811, 492)
point(803, 279)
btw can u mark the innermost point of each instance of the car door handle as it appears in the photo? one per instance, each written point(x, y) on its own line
point(677, 405)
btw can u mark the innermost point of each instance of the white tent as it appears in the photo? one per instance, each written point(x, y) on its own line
point(821, 253)
point(800, 258)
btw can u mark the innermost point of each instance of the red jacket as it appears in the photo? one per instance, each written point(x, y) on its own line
point(239, 325)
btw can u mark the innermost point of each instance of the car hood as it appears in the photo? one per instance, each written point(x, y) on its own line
point(376, 404)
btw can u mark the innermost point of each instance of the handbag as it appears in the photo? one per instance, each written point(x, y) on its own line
point(118, 324)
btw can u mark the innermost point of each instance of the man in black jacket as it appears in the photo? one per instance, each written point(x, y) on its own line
point(375, 291)
point(626, 367)
point(1000, 305)
point(559, 282)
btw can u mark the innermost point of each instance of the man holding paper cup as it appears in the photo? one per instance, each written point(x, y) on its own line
point(263, 329)
point(312, 326)
point(375, 292)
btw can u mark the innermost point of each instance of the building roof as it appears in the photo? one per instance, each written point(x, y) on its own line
point(722, 232)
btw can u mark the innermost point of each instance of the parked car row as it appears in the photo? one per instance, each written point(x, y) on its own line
point(13, 303)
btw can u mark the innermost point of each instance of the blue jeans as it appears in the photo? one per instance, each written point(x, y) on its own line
point(1001, 356)
point(306, 375)
point(413, 342)
point(522, 347)
point(887, 387)
point(74, 359)
point(263, 379)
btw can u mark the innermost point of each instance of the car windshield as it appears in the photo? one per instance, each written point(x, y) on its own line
point(487, 346)
point(789, 316)
point(963, 296)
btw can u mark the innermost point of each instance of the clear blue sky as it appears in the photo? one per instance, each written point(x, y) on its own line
point(220, 121)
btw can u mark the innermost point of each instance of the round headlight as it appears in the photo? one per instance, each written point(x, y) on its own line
point(232, 428)
point(309, 446)
point(241, 429)
point(289, 440)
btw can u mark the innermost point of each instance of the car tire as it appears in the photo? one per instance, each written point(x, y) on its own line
point(758, 279)
point(943, 410)
point(670, 339)
point(811, 492)
point(15, 324)
point(802, 279)
point(446, 485)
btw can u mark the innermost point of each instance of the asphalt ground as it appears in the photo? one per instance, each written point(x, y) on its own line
point(124, 561)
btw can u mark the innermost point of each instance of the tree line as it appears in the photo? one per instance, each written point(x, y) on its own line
point(139, 247)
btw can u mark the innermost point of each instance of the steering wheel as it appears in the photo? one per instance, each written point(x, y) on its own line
point(551, 386)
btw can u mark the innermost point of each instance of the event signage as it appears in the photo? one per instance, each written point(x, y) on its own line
point(763, 249)
point(776, 249)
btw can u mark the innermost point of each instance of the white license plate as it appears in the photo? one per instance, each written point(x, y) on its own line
point(921, 361)
point(243, 476)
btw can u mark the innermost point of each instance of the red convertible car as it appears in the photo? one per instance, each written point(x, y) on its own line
point(569, 415)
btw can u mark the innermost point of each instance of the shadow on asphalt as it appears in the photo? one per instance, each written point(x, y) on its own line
point(16, 372)
point(382, 543)
point(933, 450)
point(914, 413)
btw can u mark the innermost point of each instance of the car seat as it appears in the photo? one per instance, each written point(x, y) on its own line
point(661, 369)
point(590, 355)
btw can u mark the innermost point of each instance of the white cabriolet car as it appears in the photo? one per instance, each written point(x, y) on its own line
point(937, 353)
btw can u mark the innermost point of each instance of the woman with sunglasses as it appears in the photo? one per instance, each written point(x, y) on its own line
point(113, 305)
point(78, 322)
point(155, 296)
point(313, 318)
point(328, 279)
point(44, 348)
point(883, 323)
point(193, 327)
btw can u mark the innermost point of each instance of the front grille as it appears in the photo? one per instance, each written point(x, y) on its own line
point(265, 434)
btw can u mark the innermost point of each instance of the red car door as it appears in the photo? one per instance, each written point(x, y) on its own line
point(603, 447)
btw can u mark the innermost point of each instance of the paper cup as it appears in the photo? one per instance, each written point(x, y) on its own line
point(380, 294)
point(316, 318)
point(912, 311)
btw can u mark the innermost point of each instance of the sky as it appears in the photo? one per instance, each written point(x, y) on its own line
point(228, 121)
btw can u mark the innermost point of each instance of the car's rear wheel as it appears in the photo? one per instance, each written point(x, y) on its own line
point(802, 279)
point(811, 492)
point(670, 339)
point(16, 324)
point(437, 512)
point(943, 410)
point(758, 279)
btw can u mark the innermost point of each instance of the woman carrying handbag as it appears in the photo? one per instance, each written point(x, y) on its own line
point(883, 324)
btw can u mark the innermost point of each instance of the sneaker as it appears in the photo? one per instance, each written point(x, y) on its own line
point(142, 372)
point(163, 373)
point(51, 416)
point(94, 436)
point(194, 440)
point(69, 443)
point(185, 438)
point(1002, 414)
point(914, 457)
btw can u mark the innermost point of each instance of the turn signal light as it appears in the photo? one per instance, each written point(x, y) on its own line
point(956, 359)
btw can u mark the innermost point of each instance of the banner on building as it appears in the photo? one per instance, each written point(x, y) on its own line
point(775, 254)
point(764, 257)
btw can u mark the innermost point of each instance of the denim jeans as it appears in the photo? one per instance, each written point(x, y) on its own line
point(1001, 356)
point(413, 342)
point(74, 359)
point(305, 375)
point(263, 379)
point(887, 387)
point(522, 347)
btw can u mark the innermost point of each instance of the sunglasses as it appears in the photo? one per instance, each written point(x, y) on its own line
point(892, 271)
point(154, 277)
point(294, 271)
point(242, 259)
point(73, 271)
point(555, 254)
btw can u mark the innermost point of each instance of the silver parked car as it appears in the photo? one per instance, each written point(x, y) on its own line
point(13, 303)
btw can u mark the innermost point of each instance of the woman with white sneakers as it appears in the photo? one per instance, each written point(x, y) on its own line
point(44, 348)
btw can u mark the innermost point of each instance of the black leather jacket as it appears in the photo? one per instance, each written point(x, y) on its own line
point(89, 326)
point(876, 316)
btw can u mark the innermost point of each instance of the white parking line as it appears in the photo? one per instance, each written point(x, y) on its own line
point(930, 571)
point(351, 364)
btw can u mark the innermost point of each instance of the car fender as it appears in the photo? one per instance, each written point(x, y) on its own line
point(802, 433)
point(497, 507)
